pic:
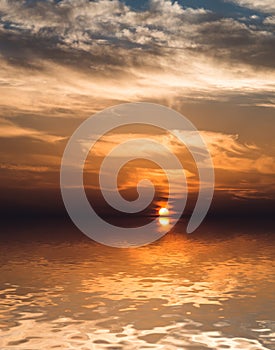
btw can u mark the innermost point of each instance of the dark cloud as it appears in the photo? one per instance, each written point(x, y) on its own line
point(238, 42)
point(111, 35)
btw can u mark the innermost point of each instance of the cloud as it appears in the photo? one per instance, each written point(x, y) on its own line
point(10, 130)
point(265, 165)
point(70, 59)
point(242, 170)
point(270, 20)
point(100, 32)
point(227, 151)
point(66, 58)
point(266, 6)
point(248, 162)
point(24, 167)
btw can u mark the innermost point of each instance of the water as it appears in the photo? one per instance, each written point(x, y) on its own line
point(210, 290)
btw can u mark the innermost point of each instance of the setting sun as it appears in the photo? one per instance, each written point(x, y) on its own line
point(163, 212)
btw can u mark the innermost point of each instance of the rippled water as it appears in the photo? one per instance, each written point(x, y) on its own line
point(210, 290)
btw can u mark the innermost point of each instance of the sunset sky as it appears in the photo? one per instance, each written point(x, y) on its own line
point(62, 61)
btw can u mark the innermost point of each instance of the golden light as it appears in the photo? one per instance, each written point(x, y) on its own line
point(164, 221)
point(163, 212)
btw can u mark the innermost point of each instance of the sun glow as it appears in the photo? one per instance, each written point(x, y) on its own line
point(164, 221)
point(163, 211)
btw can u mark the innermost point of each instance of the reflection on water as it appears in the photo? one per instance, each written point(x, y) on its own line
point(209, 290)
point(164, 221)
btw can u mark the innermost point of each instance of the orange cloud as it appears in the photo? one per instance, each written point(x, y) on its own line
point(10, 130)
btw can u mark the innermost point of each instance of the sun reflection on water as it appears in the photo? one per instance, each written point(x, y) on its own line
point(164, 221)
point(183, 291)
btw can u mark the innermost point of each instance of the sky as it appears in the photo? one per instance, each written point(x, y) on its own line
point(63, 61)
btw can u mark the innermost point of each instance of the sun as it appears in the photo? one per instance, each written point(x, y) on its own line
point(163, 211)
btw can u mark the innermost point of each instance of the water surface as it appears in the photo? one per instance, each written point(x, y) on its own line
point(213, 289)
